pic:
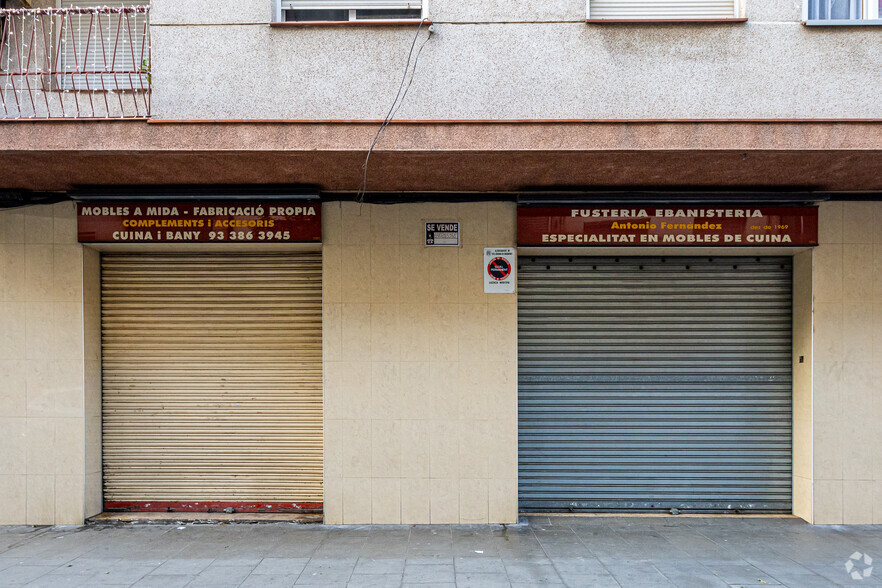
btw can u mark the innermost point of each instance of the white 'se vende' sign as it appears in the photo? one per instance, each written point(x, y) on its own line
point(499, 270)
point(442, 234)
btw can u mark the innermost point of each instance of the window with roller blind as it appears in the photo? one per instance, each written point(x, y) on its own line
point(105, 50)
point(833, 12)
point(339, 11)
point(665, 10)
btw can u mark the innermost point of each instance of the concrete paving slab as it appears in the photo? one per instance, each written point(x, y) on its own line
point(19, 575)
point(375, 581)
point(479, 580)
point(158, 581)
point(269, 581)
point(428, 573)
point(280, 566)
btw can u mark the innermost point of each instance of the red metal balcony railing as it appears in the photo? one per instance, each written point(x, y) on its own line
point(75, 63)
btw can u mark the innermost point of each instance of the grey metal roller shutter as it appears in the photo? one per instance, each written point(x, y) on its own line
point(654, 383)
point(212, 377)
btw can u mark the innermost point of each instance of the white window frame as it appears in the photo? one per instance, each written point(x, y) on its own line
point(280, 6)
point(870, 14)
point(739, 11)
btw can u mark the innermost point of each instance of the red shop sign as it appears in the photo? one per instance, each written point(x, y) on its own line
point(223, 221)
point(668, 226)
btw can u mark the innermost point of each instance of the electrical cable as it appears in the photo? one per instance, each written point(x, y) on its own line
point(396, 104)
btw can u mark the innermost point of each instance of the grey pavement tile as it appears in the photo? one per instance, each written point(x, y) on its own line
point(237, 561)
point(478, 580)
point(122, 574)
point(379, 552)
point(578, 566)
point(45, 555)
point(217, 575)
point(575, 549)
point(156, 581)
point(19, 575)
point(428, 573)
point(342, 553)
point(375, 580)
point(327, 571)
point(379, 566)
point(543, 573)
point(292, 550)
point(429, 560)
point(599, 580)
point(635, 573)
point(486, 565)
point(87, 566)
point(430, 585)
point(183, 567)
point(269, 581)
point(741, 573)
point(695, 580)
point(280, 566)
point(49, 581)
point(532, 559)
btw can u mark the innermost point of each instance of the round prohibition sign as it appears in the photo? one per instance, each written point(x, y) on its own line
point(499, 268)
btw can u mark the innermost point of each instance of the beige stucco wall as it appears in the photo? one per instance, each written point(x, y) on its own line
point(420, 368)
point(847, 399)
point(42, 352)
point(507, 59)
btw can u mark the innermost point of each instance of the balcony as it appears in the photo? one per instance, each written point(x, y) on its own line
point(75, 63)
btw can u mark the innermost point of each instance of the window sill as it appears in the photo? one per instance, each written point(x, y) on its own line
point(352, 23)
point(875, 22)
point(663, 20)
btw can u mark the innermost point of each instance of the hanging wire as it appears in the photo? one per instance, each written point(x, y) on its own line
point(396, 104)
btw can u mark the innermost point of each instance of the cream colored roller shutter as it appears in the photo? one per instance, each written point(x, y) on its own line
point(212, 377)
point(663, 9)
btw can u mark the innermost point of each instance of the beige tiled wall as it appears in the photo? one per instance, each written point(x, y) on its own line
point(42, 457)
point(847, 369)
point(802, 385)
point(420, 368)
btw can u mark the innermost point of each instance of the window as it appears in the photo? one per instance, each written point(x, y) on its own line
point(349, 10)
point(105, 45)
point(665, 10)
point(842, 11)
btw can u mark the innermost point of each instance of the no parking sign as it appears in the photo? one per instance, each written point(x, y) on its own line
point(499, 270)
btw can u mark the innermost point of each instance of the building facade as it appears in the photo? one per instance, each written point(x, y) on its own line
point(352, 347)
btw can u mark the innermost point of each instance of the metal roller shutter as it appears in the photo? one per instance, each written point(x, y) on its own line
point(212, 377)
point(663, 9)
point(654, 383)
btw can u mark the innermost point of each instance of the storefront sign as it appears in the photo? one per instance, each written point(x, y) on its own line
point(499, 270)
point(442, 234)
point(668, 226)
point(224, 221)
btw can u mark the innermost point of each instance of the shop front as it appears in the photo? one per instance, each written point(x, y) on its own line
point(211, 350)
point(655, 350)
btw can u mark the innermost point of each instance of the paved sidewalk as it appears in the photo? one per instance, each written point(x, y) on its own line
point(576, 551)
